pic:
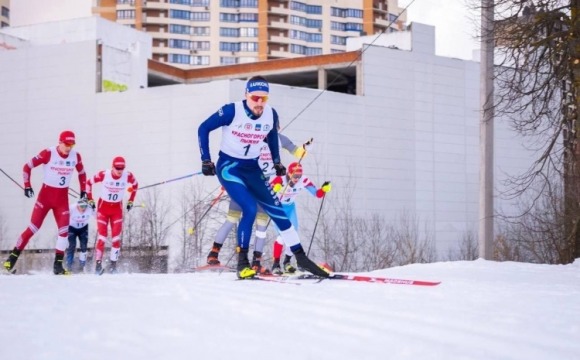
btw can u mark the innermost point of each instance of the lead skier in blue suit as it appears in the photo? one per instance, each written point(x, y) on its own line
point(245, 124)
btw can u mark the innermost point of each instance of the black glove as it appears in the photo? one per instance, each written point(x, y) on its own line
point(83, 195)
point(280, 169)
point(208, 168)
point(92, 204)
point(28, 192)
point(129, 205)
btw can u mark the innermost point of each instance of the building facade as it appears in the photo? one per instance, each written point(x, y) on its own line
point(4, 13)
point(199, 33)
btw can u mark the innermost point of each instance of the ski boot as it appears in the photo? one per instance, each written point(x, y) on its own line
point(212, 257)
point(11, 261)
point(99, 267)
point(58, 269)
point(308, 265)
point(288, 268)
point(276, 269)
point(244, 269)
point(113, 267)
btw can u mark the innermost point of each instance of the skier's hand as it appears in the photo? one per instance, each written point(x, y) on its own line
point(208, 168)
point(83, 195)
point(129, 205)
point(326, 187)
point(280, 169)
point(28, 192)
point(92, 203)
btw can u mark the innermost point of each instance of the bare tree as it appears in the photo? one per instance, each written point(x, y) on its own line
point(467, 248)
point(145, 233)
point(537, 76)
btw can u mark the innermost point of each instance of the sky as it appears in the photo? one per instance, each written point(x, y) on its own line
point(454, 25)
point(482, 310)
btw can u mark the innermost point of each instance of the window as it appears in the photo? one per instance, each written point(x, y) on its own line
point(248, 17)
point(189, 15)
point(338, 40)
point(304, 50)
point(249, 32)
point(309, 9)
point(309, 23)
point(179, 44)
point(126, 2)
point(228, 60)
point(125, 14)
point(249, 46)
point(228, 46)
point(188, 60)
point(191, 2)
point(229, 32)
point(353, 27)
point(301, 35)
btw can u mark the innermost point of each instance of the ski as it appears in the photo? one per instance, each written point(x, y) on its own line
point(276, 279)
point(219, 268)
point(363, 278)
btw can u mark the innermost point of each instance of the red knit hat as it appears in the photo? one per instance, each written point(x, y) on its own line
point(119, 163)
point(67, 137)
point(295, 168)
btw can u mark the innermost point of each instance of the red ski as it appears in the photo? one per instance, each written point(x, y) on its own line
point(363, 278)
point(215, 268)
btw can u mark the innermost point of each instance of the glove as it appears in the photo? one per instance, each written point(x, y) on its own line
point(28, 192)
point(208, 168)
point(308, 144)
point(302, 150)
point(280, 169)
point(326, 187)
point(92, 204)
point(83, 195)
point(129, 205)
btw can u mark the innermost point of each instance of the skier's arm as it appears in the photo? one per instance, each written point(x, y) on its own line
point(82, 174)
point(222, 117)
point(273, 140)
point(42, 158)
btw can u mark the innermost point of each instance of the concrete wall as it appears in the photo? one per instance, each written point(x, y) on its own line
point(410, 144)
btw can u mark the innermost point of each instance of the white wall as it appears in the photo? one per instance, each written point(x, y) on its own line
point(409, 144)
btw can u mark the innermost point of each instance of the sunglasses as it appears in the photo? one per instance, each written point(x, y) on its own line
point(83, 206)
point(257, 98)
point(296, 176)
point(119, 168)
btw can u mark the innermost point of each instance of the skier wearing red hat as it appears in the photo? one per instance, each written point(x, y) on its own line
point(110, 208)
point(287, 188)
point(59, 164)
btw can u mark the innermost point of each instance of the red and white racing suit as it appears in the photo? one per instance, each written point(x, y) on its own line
point(53, 195)
point(110, 208)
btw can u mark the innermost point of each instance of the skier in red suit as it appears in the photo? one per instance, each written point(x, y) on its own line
point(59, 164)
point(110, 208)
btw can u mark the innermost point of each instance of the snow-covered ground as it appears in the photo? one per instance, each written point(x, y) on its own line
point(481, 310)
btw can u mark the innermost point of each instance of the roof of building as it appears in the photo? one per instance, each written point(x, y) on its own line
point(340, 71)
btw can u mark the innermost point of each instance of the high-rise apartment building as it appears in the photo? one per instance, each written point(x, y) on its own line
point(198, 33)
point(4, 13)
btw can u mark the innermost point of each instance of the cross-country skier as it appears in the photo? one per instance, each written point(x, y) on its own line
point(80, 214)
point(110, 208)
point(245, 124)
point(59, 164)
point(235, 211)
point(288, 187)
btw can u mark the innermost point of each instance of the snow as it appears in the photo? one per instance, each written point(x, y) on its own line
point(481, 310)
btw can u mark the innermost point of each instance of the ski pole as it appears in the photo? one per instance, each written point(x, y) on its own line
point(214, 201)
point(10, 177)
point(170, 180)
point(315, 225)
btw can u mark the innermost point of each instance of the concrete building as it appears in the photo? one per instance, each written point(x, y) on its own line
point(4, 13)
point(406, 140)
point(201, 33)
